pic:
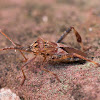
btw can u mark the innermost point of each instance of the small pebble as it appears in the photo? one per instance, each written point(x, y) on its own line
point(7, 94)
point(45, 18)
point(90, 29)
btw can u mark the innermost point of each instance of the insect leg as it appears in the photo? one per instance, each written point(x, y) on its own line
point(23, 56)
point(7, 48)
point(62, 58)
point(14, 48)
point(82, 57)
point(64, 34)
point(24, 77)
point(42, 67)
point(78, 37)
point(50, 73)
point(71, 55)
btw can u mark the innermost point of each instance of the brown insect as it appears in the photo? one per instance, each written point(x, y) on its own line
point(54, 51)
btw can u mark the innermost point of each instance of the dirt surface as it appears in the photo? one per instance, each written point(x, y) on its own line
point(26, 20)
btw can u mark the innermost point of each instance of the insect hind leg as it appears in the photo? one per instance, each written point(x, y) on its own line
point(72, 55)
point(64, 35)
point(77, 35)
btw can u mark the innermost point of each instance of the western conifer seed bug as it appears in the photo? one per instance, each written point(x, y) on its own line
point(53, 50)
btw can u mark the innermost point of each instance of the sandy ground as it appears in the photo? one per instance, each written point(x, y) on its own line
point(26, 20)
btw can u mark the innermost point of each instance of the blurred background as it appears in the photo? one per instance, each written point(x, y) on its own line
point(26, 20)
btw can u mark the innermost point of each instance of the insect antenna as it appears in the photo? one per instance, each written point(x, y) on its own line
point(8, 38)
point(16, 46)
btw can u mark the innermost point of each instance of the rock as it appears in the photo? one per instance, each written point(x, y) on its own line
point(7, 94)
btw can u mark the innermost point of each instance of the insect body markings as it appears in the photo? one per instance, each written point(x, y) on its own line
point(55, 51)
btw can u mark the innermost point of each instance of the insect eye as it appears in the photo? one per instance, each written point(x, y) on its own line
point(45, 45)
point(47, 54)
point(36, 46)
point(35, 42)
